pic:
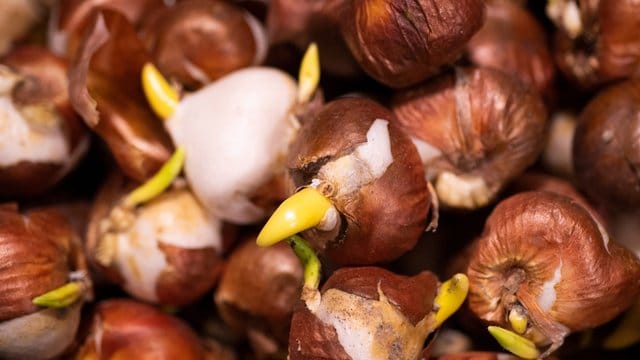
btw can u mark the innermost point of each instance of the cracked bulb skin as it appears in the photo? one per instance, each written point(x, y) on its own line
point(257, 293)
point(39, 252)
point(595, 42)
point(402, 43)
point(166, 251)
point(370, 172)
point(606, 147)
point(365, 313)
point(42, 138)
point(475, 129)
point(126, 329)
point(544, 256)
point(197, 42)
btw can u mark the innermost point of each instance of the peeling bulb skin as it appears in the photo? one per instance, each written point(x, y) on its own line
point(42, 139)
point(544, 255)
point(257, 294)
point(365, 313)
point(40, 242)
point(369, 170)
point(606, 147)
point(197, 42)
point(126, 329)
point(216, 147)
point(166, 251)
point(594, 43)
point(402, 44)
point(476, 128)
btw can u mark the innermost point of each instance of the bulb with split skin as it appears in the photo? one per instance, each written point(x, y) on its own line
point(196, 42)
point(166, 250)
point(42, 138)
point(257, 293)
point(363, 198)
point(44, 283)
point(236, 133)
point(475, 130)
point(544, 268)
point(126, 329)
point(368, 313)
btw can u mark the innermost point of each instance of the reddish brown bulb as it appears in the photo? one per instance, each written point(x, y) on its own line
point(39, 252)
point(544, 256)
point(105, 90)
point(513, 41)
point(369, 169)
point(196, 42)
point(257, 293)
point(42, 138)
point(125, 329)
point(365, 313)
point(606, 147)
point(475, 129)
point(402, 43)
point(596, 41)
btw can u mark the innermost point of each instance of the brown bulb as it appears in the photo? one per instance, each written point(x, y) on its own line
point(543, 255)
point(513, 41)
point(596, 41)
point(105, 90)
point(370, 171)
point(125, 329)
point(606, 147)
point(42, 137)
point(257, 293)
point(402, 43)
point(196, 42)
point(475, 129)
point(39, 252)
point(365, 313)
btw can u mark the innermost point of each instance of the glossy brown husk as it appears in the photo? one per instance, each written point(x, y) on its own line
point(606, 147)
point(402, 43)
point(534, 239)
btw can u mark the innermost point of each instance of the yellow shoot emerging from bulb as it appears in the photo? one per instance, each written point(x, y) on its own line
point(301, 211)
point(61, 297)
point(514, 343)
point(309, 259)
point(518, 321)
point(162, 98)
point(309, 74)
point(159, 182)
point(451, 295)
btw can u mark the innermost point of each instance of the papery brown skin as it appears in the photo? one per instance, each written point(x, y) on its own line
point(44, 84)
point(606, 147)
point(526, 239)
point(513, 41)
point(196, 42)
point(70, 17)
point(105, 90)
point(189, 272)
point(608, 48)
point(16, 19)
point(384, 218)
point(402, 43)
point(126, 329)
point(310, 338)
point(481, 123)
point(257, 293)
point(38, 251)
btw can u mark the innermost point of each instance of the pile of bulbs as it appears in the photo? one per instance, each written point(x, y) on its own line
point(179, 181)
